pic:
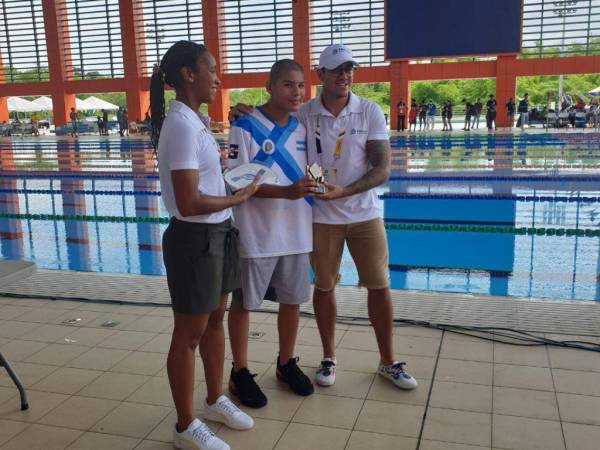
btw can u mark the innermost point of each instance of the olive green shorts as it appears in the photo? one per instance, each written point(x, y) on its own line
point(202, 263)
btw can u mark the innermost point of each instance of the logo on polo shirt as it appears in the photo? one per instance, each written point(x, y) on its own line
point(355, 131)
point(268, 146)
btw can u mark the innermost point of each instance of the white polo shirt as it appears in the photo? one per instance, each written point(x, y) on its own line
point(186, 143)
point(363, 121)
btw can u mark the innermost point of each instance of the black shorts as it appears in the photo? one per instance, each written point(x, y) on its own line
point(202, 262)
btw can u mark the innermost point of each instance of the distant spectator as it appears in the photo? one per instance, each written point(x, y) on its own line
point(105, 121)
point(100, 124)
point(478, 107)
point(431, 115)
point(148, 123)
point(412, 115)
point(449, 114)
point(5, 128)
point(74, 118)
point(490, 115)
point(469, 109)
point(120, 120)
point(524, 111)
point(444, 114)
point(401, 110)
point(592, 110)
point(422, 115)
point(35, 124)
point(125, 123)
point(510, 111)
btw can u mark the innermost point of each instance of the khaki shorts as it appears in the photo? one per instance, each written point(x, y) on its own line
point(367, 243)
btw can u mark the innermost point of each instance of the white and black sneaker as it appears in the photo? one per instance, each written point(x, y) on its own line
point(224, 411)
point(396, 374)
point(198, 436)
point(325, 375)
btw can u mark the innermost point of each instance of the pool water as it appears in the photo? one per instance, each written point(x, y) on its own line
point(514, 215)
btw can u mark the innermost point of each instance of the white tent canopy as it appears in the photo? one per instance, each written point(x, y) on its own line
point(82, 105)
point(45, 103)
point(595, 91)
point(18, 104)
point(98, 104)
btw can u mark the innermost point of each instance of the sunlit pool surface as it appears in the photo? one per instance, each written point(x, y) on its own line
point(507, 214)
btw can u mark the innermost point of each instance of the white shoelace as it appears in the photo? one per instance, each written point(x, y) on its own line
point(203, 433)
point(228, 406)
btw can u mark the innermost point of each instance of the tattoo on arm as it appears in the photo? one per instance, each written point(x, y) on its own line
point(379, 155)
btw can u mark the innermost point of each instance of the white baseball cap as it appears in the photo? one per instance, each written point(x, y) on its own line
point(334, 56)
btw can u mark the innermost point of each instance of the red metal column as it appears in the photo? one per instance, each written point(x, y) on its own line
point(301, 33)
point(11, 230)
point(3, 100)
point(506, 83)
point(138, 97)
point(215, 42)
point(57, 43)
point(399, 88)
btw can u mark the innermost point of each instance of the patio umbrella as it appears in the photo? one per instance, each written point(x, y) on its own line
point(99, 104)
point(18, 104)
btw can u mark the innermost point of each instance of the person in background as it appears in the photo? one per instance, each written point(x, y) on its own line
point(412, 116)
point(468, 113)
point(401, 110)
point(431, 108)
point(148, 123)
point(490, 115)
point(120, 120)
point(510, 111)
point(105, 121)
point(200, 245)
point(449, 114)
point(524, 111)
point(74, 118)
point(445, 116)
point(422, 115)
point(100, 124)
point(475, 118)
point(125, 123)
point(35, 124)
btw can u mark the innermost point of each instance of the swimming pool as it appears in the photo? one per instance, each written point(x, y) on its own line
point(498, 214)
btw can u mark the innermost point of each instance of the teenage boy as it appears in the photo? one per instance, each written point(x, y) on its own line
point(275, 230)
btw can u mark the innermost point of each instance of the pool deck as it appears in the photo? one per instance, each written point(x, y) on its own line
point(92, 387)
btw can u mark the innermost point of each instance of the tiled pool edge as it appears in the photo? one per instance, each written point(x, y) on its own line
point(546, 316)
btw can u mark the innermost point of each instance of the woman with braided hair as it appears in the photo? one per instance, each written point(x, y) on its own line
point(200, 245)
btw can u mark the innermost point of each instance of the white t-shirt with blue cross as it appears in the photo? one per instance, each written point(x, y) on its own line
point(272, 226)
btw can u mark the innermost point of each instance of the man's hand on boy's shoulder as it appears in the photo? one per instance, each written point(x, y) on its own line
point(239, 110)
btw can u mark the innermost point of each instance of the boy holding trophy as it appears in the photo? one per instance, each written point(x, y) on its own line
point(275, 229)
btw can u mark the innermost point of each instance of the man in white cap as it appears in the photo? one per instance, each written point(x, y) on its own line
point(347, 136)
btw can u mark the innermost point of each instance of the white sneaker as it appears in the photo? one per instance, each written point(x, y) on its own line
point(198, 436)
point(325, 375)
point(224, 411)
point(396, 374)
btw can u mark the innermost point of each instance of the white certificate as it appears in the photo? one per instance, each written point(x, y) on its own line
point(241, 176)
